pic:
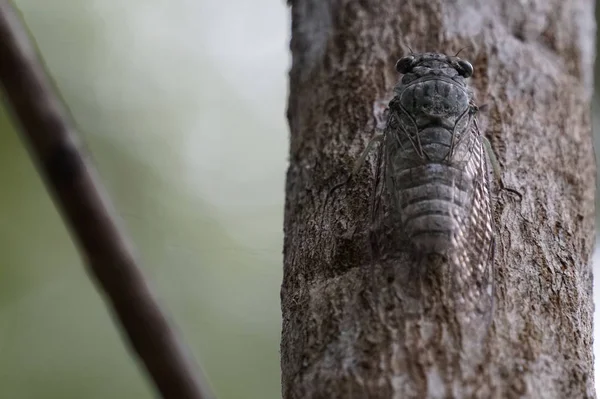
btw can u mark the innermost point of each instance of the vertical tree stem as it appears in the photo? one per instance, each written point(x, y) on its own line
point(346, 335)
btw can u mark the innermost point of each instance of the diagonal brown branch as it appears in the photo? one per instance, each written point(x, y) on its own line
point(111, 260)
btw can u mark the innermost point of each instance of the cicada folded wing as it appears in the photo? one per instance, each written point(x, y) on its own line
point(473, 246)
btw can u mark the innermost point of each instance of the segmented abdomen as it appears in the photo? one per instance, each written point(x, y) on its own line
point(433, 198)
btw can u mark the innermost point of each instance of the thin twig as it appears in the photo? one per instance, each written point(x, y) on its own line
point(70, 177)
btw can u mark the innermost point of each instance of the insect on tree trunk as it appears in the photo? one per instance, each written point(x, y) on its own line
point(364, 320)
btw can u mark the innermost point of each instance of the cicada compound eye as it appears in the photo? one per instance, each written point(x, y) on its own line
point(405, 64)
point(465, 69)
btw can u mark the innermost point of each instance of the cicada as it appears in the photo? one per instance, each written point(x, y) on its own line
point(433, 164)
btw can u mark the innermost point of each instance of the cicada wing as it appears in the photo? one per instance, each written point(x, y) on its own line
point(376, 211)
point(472, 256)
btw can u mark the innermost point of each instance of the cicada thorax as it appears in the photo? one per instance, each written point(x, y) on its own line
point(434, 155)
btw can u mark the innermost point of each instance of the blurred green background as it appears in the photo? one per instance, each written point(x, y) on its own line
point(182, 104)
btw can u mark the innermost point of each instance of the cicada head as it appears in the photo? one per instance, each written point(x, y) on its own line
point(422, 63)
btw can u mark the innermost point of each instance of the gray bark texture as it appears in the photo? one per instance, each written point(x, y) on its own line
point(348, 326)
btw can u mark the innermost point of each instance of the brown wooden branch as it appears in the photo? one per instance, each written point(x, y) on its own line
point(70, 177)
point(346, 329)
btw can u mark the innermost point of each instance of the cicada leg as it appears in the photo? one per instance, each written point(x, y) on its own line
point(374, 210)
point(496, 168)
point(357, 165)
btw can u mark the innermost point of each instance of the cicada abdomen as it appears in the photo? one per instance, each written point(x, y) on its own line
point(436, 170)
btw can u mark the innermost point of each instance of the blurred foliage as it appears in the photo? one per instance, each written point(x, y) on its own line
point(193, 156)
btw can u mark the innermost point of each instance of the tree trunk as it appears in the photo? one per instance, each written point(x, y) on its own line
point(346, 329)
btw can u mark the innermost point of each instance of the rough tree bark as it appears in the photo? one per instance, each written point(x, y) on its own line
point(346, 334)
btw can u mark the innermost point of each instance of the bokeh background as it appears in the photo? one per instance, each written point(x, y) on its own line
point(181, 104)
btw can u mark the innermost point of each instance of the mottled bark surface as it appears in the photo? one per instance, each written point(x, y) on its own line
point(346, 329)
